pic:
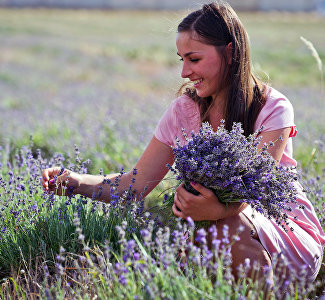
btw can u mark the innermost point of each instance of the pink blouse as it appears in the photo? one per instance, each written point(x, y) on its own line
point(304, 245)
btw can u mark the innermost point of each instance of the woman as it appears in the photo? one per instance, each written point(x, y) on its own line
point(214, 48)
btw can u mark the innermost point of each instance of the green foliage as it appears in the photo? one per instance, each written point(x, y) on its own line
point(54, 227)
point(115, 152)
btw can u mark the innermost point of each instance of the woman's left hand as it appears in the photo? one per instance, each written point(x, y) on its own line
point(205, 206)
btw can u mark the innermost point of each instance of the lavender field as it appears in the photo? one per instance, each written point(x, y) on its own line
point(92, 85)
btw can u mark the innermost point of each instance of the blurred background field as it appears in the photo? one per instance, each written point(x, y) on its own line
point(102, 79)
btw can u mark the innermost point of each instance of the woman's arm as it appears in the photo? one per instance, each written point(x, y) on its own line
point(279, 138)
point(206, 205)
point(151, 169)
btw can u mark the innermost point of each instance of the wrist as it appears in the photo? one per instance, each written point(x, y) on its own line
point(77, 183)
point(221, 211)
point(231, 209)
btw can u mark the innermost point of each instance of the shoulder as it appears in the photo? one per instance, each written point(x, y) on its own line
point(183, 113)
point(274, 99)
point(184, 104)
point(188, 113)
point(276, 113)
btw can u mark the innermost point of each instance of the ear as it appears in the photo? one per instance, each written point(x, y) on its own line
point(229, 53)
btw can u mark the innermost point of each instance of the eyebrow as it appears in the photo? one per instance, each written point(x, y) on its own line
point(188, 53)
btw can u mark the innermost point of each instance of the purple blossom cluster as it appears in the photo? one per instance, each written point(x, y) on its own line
point(132, 256)
point(230, 164)
point(33, 219)
point(161, 264)
point(19, 189)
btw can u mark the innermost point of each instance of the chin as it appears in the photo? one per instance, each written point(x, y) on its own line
point(202, 94)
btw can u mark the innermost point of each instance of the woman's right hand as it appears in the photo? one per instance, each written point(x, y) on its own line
point(60, 181)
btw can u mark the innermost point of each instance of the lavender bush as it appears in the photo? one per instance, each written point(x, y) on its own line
point(230, 164)
point(61, 247)
point(312, 175)
point(154, 268)
point(36, 224)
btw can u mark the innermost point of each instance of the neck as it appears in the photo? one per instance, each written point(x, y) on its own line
point(217, 110)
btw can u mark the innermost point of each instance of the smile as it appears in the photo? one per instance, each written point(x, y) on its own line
point(196, 82)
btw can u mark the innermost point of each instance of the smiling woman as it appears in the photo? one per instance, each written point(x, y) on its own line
point(214, 48)
point(203, 59)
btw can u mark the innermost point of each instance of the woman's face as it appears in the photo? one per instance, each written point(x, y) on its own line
point(203, 65)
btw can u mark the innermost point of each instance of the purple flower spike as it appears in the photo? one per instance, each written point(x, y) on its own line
point(190, 222)
point(232, 166)
point(201, 236)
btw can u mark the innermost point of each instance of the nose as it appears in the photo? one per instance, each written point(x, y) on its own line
point(186, 70)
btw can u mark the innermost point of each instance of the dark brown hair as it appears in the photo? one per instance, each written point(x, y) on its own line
point(217, 24)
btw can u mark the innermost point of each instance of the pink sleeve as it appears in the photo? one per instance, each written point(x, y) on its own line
point(166, 128)
point(277, 113)
point(183, 113)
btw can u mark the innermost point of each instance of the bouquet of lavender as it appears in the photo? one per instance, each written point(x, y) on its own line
point(231, 165)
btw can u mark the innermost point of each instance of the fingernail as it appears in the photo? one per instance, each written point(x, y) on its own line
point(52, 181)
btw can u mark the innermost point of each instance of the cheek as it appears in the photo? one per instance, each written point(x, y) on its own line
point(217, 72)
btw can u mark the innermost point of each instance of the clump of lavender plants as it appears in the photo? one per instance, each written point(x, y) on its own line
point(35, 223)
point(312, 176)
point(79, 248)
point(155, 265)
point(231, 165)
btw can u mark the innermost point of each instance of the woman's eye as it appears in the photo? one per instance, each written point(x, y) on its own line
point(191, 60)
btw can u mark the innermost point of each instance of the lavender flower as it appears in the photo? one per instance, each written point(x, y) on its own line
point(231, 165)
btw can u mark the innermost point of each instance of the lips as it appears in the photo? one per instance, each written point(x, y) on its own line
point(197, 82)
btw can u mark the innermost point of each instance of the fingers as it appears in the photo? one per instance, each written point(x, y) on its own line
point(51, 177)
point(198, 187)
point(177, 211)
point(178, 207)
point(177, 202)
point(45, 175)
point(48, 176)
point(202, 190)
point(45, 179)
point(182, 192)
point(197, 207)
point(182, 200)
